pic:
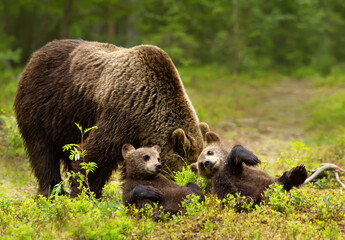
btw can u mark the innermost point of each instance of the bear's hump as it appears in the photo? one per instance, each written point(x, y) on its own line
point(144, 70)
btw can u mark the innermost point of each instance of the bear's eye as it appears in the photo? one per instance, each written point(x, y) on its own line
point(209, 153)
point(146, 157)
point(159, 159)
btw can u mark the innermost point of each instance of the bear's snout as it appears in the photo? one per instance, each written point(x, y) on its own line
point(207, 163)
point(158, 167)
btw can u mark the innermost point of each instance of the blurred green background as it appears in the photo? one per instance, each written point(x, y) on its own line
point(242, 61)
point(250, 36)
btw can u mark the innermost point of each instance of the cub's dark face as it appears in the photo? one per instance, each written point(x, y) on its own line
point(212, 157)
point(141, 163)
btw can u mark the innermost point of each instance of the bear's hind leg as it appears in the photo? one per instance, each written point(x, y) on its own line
point(101, 152)
point(293, 178)
point(46, 167)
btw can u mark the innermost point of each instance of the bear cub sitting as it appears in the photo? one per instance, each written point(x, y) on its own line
point(143, 183)
point(234, 172)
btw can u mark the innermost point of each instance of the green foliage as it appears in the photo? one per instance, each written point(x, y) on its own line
point(336, 78)
point(320, 184)
point(186, 176)
point(7, 56)
point(244, 36)
point(8, 75)
point(327, 116)
point(298, 155)
point(14, 143)
point(77, 152)
point(299, 146)
point(278, 200)
point(191, 205)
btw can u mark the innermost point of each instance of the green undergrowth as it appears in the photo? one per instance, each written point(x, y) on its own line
point(305, 213)
point(336, 78)
point(312, 156)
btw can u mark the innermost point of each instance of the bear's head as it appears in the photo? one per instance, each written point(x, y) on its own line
point(141, 163)
point(185, 145)
point(212, 157)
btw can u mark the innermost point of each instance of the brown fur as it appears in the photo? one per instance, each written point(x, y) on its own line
point(133, 95)
point(153, 187)
point(234, 172)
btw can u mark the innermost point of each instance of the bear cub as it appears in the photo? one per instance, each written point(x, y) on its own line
point(143, 183)
point(234, 172)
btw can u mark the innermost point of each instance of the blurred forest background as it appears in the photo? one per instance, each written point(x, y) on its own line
point(234, 56)
point(302, 37)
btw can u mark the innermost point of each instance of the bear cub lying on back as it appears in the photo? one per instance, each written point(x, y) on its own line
point(233, 173)
point(144, 184)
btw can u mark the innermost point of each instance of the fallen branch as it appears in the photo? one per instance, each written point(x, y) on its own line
point(326, 166)
point(338, 179)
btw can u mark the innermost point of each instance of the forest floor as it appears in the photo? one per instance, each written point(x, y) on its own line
point(279, 119)
point(267, 117)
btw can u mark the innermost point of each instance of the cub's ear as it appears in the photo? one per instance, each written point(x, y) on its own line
point(212, 137)
point(126, 150)
point(157, 148)
point(179, 140)
point(194, 167)
point(204, 129)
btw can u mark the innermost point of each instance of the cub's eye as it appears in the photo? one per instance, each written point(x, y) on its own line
point(146, 157)
point(159, 159)
point(209, 153)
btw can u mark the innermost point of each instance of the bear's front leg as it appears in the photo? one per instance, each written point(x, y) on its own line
point(140, 195)
point(196, 190)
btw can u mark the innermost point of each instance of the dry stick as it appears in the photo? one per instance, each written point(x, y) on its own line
point(338, 179)
point(325, 166)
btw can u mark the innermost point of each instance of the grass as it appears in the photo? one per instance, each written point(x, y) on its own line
point(285, 122)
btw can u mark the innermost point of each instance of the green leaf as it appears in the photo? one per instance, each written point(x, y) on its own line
point(89, 129)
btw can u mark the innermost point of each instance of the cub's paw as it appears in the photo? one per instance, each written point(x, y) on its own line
point(240, 154)
point(196, 190)
point(147, 192)
point(293, 178)
point(297, 175)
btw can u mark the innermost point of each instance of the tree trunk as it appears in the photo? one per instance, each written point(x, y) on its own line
point(236, 35)
point(66, 19)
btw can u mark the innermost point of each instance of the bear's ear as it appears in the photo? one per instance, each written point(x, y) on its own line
point(204, 129)
point(194, 167)
point(180, 140)
point(212, 137)
point(157, 148)
point(126, 150)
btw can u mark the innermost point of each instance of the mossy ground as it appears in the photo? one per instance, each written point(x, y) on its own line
point(284, 121)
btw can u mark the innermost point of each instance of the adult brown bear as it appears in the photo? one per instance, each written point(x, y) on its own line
point(133, 95)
